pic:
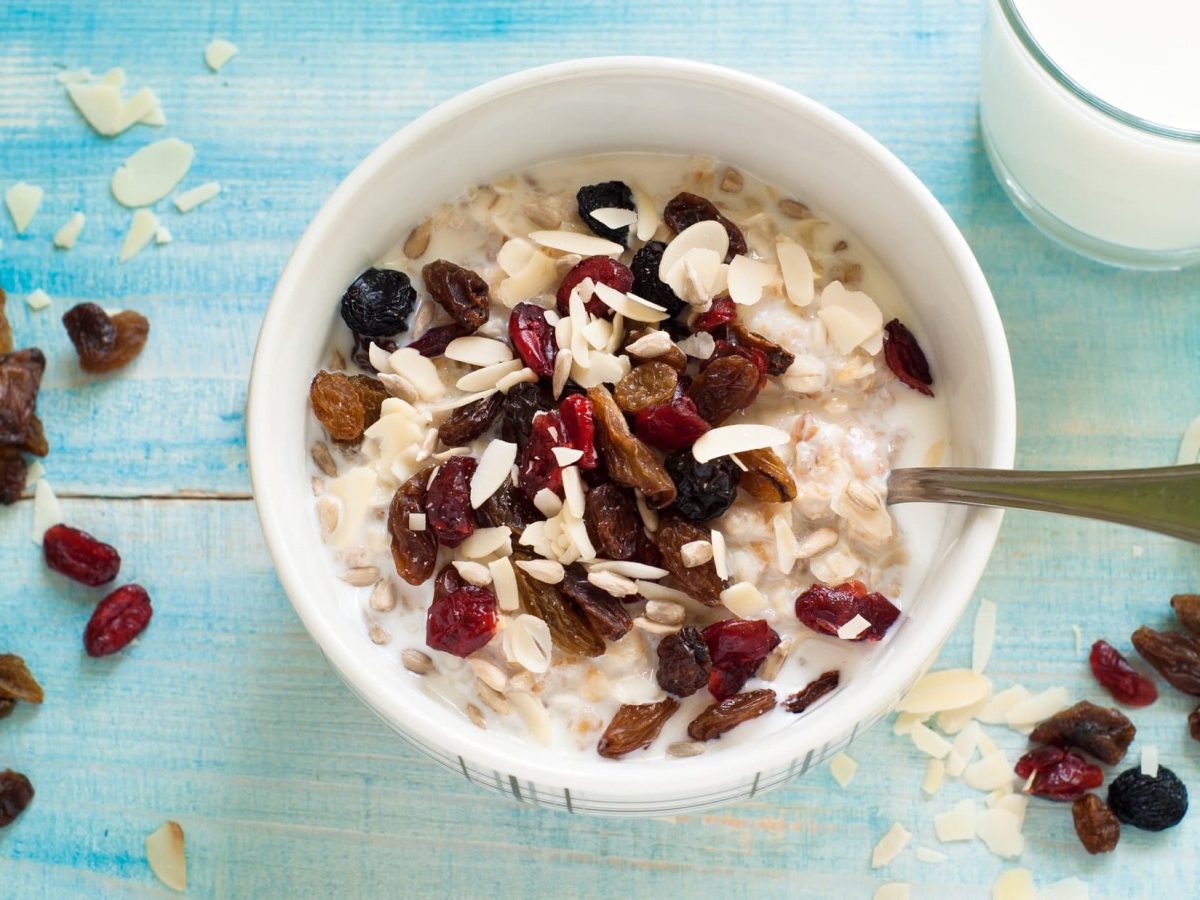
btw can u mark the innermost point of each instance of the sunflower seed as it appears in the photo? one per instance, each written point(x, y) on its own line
point(324, 459)
point(418, 240)
point(382, 598)
point(475, 714)
point(417, 662)
point(794, 209)
point(685, 748)
point(493, 698)
point(360, 576)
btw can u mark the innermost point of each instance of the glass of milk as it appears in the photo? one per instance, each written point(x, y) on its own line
point(1090, 113)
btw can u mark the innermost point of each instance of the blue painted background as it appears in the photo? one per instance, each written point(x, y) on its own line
point(225, 718)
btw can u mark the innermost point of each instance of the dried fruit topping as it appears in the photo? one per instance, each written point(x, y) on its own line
point(1187, 611)
point(703, 490)
point(20, 380)
point(6, 337)
point(13, 472)
point(570, 629)
point(825, 683)
point(1104, 733)
point(727, 348)
point(613, 523)
point(722, 312)
point(684, 665)
point(726, 385)
point(522, 402)
point(16, 681)
point(606, 195)
point(826, 609)
point(413, 552)
point(361, 354)
point(649, 384)
point(579, 423)
point(607, 616)
point(1126, 684)
point(685, 210)
point(448, 501)
point(117, 620)
point(627, 460)
point(468, 422)
point(132, 331)
point(459, 291)
point(905, 357)
point(533, 338)
point(371, 393)
point(80, 556)
point(727, 714)
point(737, 648)
point(337, 406)
point(91, 330)
point(1194, 724)
point(1098, 828)
point(778, 359)
point(602, 270)
point(671, 426)
point(447, 582)
point(646, 283)
point(509, 507)
point(701, 582)
point(435, 341)
point(1149, 802)
point(537, 468)
point(673, 357)
point(1058, 773)
point(1176, 657)
point(16, 793)
point(766, 477)
point(462, 620)
point(7, 705)
point(635, 727)
point(378, 303)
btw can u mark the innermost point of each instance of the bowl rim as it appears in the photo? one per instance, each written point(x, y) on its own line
point(643, 779)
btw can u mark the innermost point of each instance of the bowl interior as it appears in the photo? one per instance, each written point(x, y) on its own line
point(589, 107)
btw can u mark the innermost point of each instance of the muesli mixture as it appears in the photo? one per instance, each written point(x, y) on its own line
point(602, 452)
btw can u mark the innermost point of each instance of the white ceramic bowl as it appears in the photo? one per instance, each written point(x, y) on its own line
point(646, 104)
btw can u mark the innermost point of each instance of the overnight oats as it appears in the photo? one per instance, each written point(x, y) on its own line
point(601, 453)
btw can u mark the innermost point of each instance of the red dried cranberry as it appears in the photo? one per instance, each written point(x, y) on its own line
point(1126, 684)
point(448, 501)
point(80, 556)
point(602, 270)
point(435, 341)
point(462, 620)
point(117, 620)
point(722, 312)
point(826, 609)
point(737, 648)
point(1061, 774)
point(670, 426)
point(533, 338)
point(905, 357)
point(536, 466)
point(728, 348)
point(580, 427)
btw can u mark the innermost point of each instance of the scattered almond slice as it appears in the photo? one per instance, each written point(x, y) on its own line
point(141, 231)
point(527, 643)
point(478, 351)
point(417, 521)
point(696, 277)
point(797, 272)
point(165, 854)
point(992, 772)
point(648, 218)
point(47, 511)
point(548, 503)
point(1067, 889)
point(472, 573)
point(905, 721)
point(23, 201)
point(574, 242)
point(984, 637)
point(962, 749)
point(1000, 830)
point(573, 495)
point(533, 713)
point(420, 371)
point(1038, 708)
point(893, 890)
point(162, 235)
point(630, 306)
point(512, 379)
point(853, 628)
point(851, 318)
point(729, 439)
point(614, 216)
point(945, 689)
point(35, 473)
point(504, 583)
point(486, 541)
point(612, 583)
point(843, 767)
point(37, 299)
point(699, 345)
point(1150, 761)
point(99, 104)
point(995, 712)
point(747, 279)
point(929, 855)
point(488, 376)
point(696, 553)
point(929, 741)
point(707, 235)
point(720, 560)
point(152, 172)
point(514, 255)
point(495, 464)
point(1015, 884)
point(355, 489)
point(890, 845)
point(743, 599)
point(66, 236)
point(957, 824)
point(629, 568)
point(218, 52)
point(189, 200)
point(935, 771)
point(533, 279)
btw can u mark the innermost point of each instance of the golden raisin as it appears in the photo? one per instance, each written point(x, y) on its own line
point(720, 717)
point(702, 581)
point(766, 477)
point(627, 459)
point(646, 385)
point(634, 727)
point(726, 385)
point(371, 393)
point(337, 406)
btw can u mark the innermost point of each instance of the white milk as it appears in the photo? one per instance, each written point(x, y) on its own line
point(1113, 173)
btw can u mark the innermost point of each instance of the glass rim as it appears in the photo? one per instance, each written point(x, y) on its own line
point(1051, 68)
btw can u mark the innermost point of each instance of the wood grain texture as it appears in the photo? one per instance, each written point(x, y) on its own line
point(225, 717)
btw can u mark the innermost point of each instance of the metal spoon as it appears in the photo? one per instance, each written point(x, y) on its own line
point(1165, 500)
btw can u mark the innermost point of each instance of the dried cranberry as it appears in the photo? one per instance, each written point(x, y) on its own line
point(606, 195)
point(80, 556)
point(905, 357)
point(435, 341)
point(647, 284)
point(378, 303)
point(1058, 773)
point(579, 424)
point(536, 466)
point(737, 648)
point(826, 609)
point(533, 338)
point(462, 620)
point(448, 501)
point(602, 270)
point(117, 620)
point(671, 426)
point(1126, 684)
point(722, 312)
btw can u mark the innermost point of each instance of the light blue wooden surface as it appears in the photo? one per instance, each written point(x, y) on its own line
point(225, 717)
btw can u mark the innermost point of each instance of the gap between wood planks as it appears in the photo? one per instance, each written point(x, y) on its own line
point(185, 495)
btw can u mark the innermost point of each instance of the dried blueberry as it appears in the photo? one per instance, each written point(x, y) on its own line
point(1152, 803)
point(606, 195)
point(646, 283)
point(378, 303)
point(703, 490)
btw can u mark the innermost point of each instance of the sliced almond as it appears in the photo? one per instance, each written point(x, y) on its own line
point(851, 318)
point(630, 306)
point(797, 272)
point(612, 583)
point(743, 599)
point(729, 439)
point(696, 553)
point(486, 541)
point(545, 570)
point(629, 569)
point(504, 583)
point(708, 235)
point(665, 612)
point(566, 456)
point(533, 713)
point(648, 218)
point(165, 854)
point(152, 172)
point(512, 379)
point(473, 572)
point(614, 216)
point(478, 351)
point(945, 689)
point(527, 643)
point(747, 279)
point(574, 242)
point(890, 845)
point(420, 371)
point(548, 503)
point(853, 628)
point(562, 371)
point(720, 561)
point(488, 376)
point(495, 464)
point(651, 345)
point(573, 491)
point(514, 255)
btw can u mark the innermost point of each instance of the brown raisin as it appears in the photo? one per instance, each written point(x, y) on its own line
point(635, 727)
point(16, 793)
point(508, 506)
point(627, 460)
point(6, 335)
point(7, 705)
point(607, 615)
point(13, 470)
point(1098, 828)
point(448, 507)
point(35, 438)
point(522, 402)
point(371, 393)
point(337, 406)
point(766, 477)
point(459, 291)
point(702, 581)
point(414, 552)
point(16, 681)
point(825, 683)
point(1194, 723)
point(1187, 611)
point(20, 380)
point(722, 716)
point(726, 385)
point(1175, 655)
point(1104, 733)
point(675, 358)
point(778, 359)
point(105, 343)
point(569, 627)
point(468, 422)
point(685, 210)
point(646, 385)
point(612, 520)
point(683, 662)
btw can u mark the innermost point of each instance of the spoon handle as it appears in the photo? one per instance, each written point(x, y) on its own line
point(1165, 500)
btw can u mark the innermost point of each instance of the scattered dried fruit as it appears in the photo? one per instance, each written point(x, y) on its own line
point(826, 609)
point(602, 270)
point(371, 393)
point(579, 425)
point(468, 422)
point(766, 477)
point(448, 501)
point(672, 426)
point(1175, 655)
point(16, 793)
point(1104, 733)
point(16, 681)
point(337, 406)
point(378, 303)
point(703, 490)
point(722, 312)
point(569, 627)
point(646, 283)
point(20, 380)
point(509, 507)
point(905, 357)
point(414, 552)
point(627, 460)
point(165, 854)
point(521, 403)
point(778, 359)
point(1187, 611)
point(612, 520)
point(1120, 679)
point(461, 618)
point(824, 684)
point(605, 613)
point(459, 291)
point(533, 338)
point(727, 714)
point(1152, 803)
point(80, 556)
point(650, 384)
point(702, 581)
point(685, 210)
point(635, 727)
point(1058, 773)
point(117, 620)
point(1098, 828)
point(435, 341)
point(726, 385)
point(606, 195)
point(737, 648)
point(684, 664)
point(537, 467)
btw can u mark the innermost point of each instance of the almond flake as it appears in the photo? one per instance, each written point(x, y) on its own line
point(729, 439)
point(995, 712)
point(23, 201)
point(486, 541)
point(548, 503)
point(928, 855)
point(546, 571)
point(818, 542)
point(141, 230)
point(562, 371)
point(992, 772)
point(1067, 889)
point(648, 515)
point(651, 345)
point(797, 272)
point(514, 255)
point(699, 345)
point(719, 560)
point(536, 277)
point(649, 625)
point(653, 591)
point(834, 567)
point(1015, 884)
point(597, 332)
point(566, 456)
point(628, 305)
point(957, 824)
point(488, 376)
point(696, 553)
point(893, 890)
point(1036, 709)
point(162, 235)
point(851, 318)
point(527, 643)
point(785, 544)
point(612, 583)
point(420, 371)
point(935, 771)
point(512, 379)
point(1150, 761)
point(472, 572)
point(890, 845)
point(707, 235)
point(602, 368)
point(963, 748)
point(843, 767)
point(985, 636)
point(47, 511)
point(648, 218)
point(495, 463)
point(152, 172)
point(504, 583)
point(743, 599)
point(629, 568)
point(574, 242)
point(165, 854)
point(665, 612)
point(66, 236)
point(189, 200)
point(1001, 832)
point(218, 52)
point(478, 351)
point(533, 714)
point(946, 689)
point(37, 299)
point(696, 277)
point(853, 628)
point(573, 491)
point(929, 741)
point(614, 216)
point(747, 278)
